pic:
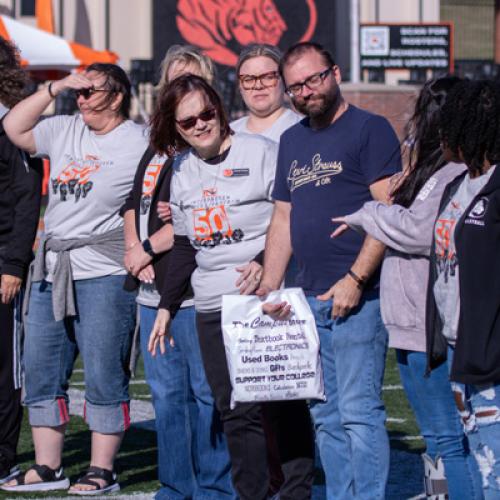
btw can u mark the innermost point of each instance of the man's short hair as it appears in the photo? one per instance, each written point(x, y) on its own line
point(298, 49)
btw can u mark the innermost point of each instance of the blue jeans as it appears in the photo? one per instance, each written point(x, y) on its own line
point(350, 425)
point(101, 332)
point(432, 401)
point(193, 460)
point(479, 409)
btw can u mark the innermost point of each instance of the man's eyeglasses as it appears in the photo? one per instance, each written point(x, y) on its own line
point(313, 82)
point(204, 116)
point(87, 93)
point(267, 80)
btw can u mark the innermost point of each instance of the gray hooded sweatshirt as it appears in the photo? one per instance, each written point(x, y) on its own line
point(407, 232)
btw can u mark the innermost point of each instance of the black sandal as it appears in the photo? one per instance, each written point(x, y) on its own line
point(88, 478)
point(51, 479)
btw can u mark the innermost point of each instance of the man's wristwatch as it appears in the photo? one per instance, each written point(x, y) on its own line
point(146, 245)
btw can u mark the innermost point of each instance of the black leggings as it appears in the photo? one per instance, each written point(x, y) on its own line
point(11, 412)
point(244, 432)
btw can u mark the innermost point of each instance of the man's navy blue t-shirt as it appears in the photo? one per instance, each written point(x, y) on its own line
point(327, 173)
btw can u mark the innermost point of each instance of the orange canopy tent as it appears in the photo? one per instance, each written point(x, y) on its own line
point(47, 55)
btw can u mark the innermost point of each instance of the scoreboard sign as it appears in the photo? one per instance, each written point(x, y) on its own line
point(406, 46)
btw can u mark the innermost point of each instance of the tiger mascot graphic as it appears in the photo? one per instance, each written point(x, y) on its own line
point(221, 27)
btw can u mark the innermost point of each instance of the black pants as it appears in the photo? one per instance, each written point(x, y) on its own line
point(244, 432)
point(11, 412)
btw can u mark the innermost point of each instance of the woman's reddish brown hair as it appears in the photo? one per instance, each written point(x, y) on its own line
point(164, 137)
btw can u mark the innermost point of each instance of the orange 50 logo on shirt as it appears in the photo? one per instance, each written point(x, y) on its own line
point(74, 180)
point(150, 180)
point(211, 223)
point(446, 257)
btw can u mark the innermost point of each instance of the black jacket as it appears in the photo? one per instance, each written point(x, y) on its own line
point(20, 194)
point(477, 241)
point(133, 202)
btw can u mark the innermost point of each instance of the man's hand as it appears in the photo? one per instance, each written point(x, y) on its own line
point(9, 287)
point(159, 332)
point(278, 311)
point(249, 279)
point(345, 295)
point(136, 259)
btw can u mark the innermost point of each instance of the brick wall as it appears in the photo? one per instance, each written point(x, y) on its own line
point(395, 103)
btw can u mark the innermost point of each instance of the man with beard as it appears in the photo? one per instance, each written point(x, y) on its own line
point(330, 163)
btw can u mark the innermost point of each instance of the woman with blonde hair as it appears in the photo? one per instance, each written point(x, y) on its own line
point(181, 59)
point(193, 461)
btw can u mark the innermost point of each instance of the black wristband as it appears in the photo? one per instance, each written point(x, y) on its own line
point(146, 245)
point(49, 88)
point(359, 281)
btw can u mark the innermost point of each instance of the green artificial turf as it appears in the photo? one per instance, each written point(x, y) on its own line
point(136, 463)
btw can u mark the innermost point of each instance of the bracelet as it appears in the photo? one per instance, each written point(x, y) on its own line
point(359, 281)
point(49, 88)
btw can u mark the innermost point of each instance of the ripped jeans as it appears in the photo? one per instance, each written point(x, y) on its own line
point(479, 409)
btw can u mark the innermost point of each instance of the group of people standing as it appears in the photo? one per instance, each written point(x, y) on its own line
point(173, 217)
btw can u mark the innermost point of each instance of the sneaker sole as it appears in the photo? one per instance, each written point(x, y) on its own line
point(63, 484)
point(12, 475)
point(92, 493)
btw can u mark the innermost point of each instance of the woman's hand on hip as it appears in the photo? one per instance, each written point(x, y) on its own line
point(161, 329)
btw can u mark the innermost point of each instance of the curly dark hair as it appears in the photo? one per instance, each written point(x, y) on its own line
point(13, 78)
point(422, 139)
point(470, 123)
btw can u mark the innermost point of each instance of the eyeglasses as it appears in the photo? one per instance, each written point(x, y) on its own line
point(87, 93)
point(249, 82)
point(204, 116)
point(313, 82)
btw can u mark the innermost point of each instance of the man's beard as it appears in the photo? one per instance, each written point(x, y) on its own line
point(321, 104)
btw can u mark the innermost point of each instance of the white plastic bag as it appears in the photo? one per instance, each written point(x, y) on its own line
point(271, 360)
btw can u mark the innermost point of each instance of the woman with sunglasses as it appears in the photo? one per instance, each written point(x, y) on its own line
point(221, 207)
point(77, 302)
point(193, 461)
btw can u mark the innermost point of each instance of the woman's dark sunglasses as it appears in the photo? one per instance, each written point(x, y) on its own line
point(87, 93)
point(204, 116)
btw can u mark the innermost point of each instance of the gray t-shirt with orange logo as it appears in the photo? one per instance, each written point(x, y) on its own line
point(148, 294)
point(90, 177)
point(446, 287)
point(224, 208)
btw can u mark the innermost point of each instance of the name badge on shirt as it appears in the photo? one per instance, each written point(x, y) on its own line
point(236, 172)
